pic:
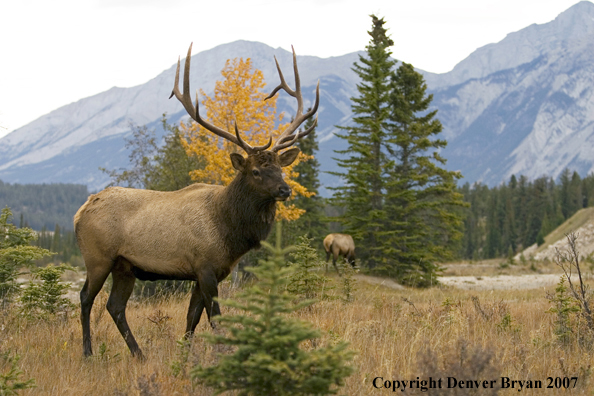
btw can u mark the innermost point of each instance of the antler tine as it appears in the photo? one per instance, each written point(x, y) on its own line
point(249, 149)
point(300, 134)
point(186, 101)
point(283, 84)
point(287, 138)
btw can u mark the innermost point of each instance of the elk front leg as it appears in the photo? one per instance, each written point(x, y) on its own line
point(194, 311)
point(208, 286)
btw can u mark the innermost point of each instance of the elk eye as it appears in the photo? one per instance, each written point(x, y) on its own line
point(256, 172)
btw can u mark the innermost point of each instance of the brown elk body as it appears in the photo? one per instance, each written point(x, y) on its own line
point(340, 245)
point(198, 233)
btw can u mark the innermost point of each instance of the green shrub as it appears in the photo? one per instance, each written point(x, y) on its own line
point(16, 253)
point(564, 306)
point(45, 296)
point(10, 381)
point(306, 280)
point(348, 280)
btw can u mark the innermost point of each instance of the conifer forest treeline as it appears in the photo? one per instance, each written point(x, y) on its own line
point(506, 219)
point(43, 205)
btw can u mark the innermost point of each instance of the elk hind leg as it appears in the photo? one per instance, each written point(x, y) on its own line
point(97, 273)
point(335, 254)
point(194, 311)
point(123, 284)
point(350, 258)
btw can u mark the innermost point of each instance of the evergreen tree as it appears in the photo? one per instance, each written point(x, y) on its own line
point(56, 240)
point(588, 190)
point(16, 253)
point(537, 207)
point(421, 193)
point(47, 297)
point(366, 167)
point(576, 199)
point(493, 227)
point(565, 192)
point(172, 164)
point(306, 280)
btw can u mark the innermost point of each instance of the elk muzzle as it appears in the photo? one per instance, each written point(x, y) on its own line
point(284, 192)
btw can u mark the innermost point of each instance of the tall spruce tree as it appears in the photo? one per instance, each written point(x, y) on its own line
point(421, 198)
point(366, 167)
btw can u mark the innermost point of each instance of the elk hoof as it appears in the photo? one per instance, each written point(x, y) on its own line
point(137, 354)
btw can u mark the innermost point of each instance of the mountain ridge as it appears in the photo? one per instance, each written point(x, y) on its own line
point(508, 107)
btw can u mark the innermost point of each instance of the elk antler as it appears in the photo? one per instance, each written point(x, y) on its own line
point(287, 139)
point(186, 100)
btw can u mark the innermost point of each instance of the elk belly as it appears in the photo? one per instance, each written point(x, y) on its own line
point(150, 269)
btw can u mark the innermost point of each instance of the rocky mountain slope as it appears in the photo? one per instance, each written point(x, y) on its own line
point(581, 223)
point(520, 106)
point(534, 118)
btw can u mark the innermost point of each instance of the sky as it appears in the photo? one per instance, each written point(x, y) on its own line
point(53, 53)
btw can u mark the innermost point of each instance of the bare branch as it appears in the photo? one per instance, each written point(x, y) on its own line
point(568, 259)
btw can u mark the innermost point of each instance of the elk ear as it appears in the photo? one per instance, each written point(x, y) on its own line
point(288, 156)
point(238, 161)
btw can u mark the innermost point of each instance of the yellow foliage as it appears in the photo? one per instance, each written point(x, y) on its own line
point(238, 98)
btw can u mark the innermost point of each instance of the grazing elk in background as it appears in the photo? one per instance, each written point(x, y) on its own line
point(340, 245)
point(198, 233)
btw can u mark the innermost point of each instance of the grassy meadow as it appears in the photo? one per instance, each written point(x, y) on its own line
point(398, 334)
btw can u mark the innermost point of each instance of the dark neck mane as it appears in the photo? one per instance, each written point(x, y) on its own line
point(248, 216)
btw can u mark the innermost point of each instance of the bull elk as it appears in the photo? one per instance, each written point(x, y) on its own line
point(340, 245)
point(197, 233)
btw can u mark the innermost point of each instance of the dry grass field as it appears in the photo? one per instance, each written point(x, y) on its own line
point(399, 334)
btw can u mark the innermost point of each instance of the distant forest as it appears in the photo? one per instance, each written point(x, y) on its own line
point(42, 206)
point(502, 221)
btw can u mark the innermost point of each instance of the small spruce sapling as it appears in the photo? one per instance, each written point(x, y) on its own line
point(16, 253)
point(267, 358)
point(348, 280)
point(564, 306)
point(306, 282)
point(10, 381)
point(46, 298)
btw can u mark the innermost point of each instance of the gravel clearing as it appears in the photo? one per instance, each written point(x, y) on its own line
point(501, 282)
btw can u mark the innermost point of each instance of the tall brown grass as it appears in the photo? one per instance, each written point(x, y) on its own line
point(397, 334)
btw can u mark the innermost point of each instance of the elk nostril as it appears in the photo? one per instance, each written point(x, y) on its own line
point(284, 191)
